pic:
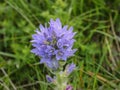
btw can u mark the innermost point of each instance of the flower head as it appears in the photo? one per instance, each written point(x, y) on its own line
point(53, 43)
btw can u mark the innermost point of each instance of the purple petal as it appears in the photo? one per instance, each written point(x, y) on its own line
point(42, 29)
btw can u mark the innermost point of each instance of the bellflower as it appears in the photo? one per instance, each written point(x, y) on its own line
point(53, 43)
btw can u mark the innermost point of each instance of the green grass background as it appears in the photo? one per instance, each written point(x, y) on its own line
point(97, 23)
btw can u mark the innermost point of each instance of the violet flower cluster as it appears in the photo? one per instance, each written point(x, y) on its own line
point(53, 43)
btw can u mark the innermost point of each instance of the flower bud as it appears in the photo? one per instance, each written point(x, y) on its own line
point(69, 87)
point(49, 78)
point(70, 68)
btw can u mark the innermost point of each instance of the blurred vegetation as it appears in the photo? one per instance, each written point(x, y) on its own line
point(97, 23)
